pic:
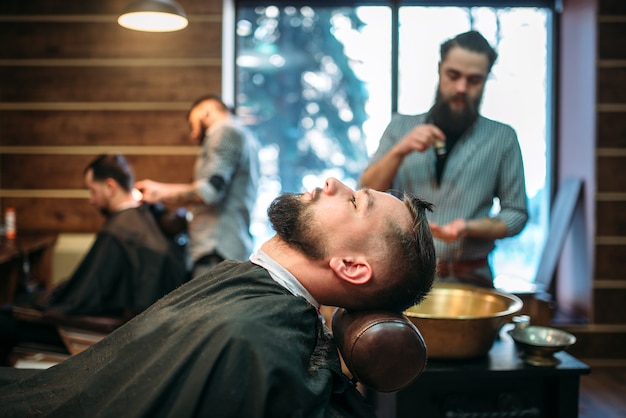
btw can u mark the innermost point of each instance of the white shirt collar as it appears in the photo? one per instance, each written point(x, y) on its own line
point(128, 205)
point(282, 276)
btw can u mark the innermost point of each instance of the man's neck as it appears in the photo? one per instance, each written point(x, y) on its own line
point(219, 122)
point(310, 273)
point(125, 204)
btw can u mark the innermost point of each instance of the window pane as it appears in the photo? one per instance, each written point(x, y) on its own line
point(310, 83)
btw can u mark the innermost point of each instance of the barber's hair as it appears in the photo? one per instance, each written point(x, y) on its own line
point(471, 41)
point(411, 260)
point(210, 97)
point(112, 166)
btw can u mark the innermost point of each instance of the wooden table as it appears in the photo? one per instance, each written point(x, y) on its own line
point(34, 247)
point(497, 385)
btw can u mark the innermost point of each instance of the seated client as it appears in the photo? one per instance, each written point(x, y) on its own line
point(130, 265)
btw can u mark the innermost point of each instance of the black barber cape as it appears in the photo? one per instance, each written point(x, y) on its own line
point(129, 267)
point(230, 343)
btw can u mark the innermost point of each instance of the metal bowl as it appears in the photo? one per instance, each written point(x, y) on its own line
point(462, 321)
point(537, 345)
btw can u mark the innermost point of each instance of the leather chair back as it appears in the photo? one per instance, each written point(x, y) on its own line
point(383, 350)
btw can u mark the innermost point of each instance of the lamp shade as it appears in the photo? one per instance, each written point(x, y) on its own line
point(153, 16)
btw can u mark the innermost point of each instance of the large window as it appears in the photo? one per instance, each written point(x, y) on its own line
point(318, 85)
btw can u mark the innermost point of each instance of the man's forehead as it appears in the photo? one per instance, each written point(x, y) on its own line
point(392, 203)
point(458, 56)
point(391, 196)
point(196, 111)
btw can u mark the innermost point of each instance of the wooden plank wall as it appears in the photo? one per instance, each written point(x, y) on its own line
point(603, 340)
point(74, 84)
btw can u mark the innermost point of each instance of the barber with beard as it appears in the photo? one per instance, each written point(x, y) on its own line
point(459, 160)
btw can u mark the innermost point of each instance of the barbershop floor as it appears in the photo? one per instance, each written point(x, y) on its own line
point(601, 392)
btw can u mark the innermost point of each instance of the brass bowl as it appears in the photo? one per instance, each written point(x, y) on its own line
point(462, 321)
point(537, 345)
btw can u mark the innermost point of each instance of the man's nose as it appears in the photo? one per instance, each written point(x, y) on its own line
point(334, 186)
point(461, 85)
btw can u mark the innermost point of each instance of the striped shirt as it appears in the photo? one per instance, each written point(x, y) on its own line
point(486, 162)
point(222, 223)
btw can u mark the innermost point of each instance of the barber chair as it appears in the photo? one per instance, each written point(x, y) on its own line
point(80, 331)
point(382, 350)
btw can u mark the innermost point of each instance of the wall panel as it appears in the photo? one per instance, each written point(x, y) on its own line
point(87, 7)
point(104, 83)
point(611, 86)
point(55, 214)
point(95, 127)
point(605, 336)
point(611, 130)
point(74, 84)
point(612, 40)
point(610, 261)
point(107, 40)
point(63, 171)
point(599, 343)
point(608, 166)
point(612, 7)
point(611, 220)
point(605, 303)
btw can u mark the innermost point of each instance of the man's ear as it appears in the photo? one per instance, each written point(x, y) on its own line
point(111, 185)
point(355, 271)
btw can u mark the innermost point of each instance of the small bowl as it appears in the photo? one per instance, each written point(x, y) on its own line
point(537, 345)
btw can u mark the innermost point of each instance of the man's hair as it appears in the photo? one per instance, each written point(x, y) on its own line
point(471, 41)
point(411, 260)
point(112, 166)
point(209, 97)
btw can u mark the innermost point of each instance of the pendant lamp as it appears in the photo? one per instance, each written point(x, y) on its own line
point(153, 16)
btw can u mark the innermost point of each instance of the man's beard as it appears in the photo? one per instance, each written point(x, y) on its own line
point(293, 224)
point(452, 122)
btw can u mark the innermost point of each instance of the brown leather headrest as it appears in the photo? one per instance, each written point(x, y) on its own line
point(382, 350)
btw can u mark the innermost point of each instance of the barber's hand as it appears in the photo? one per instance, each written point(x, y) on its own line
point(420, 139)
point(152, 191)
point(451, 232)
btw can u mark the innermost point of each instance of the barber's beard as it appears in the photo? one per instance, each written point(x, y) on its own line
point(454, 122)
point(293, 224)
